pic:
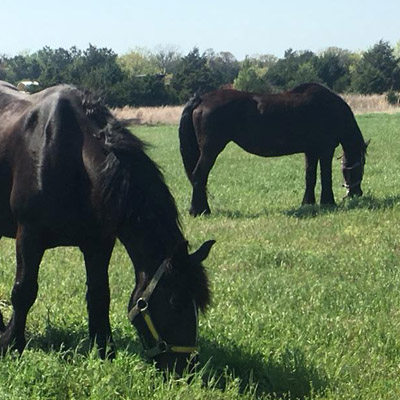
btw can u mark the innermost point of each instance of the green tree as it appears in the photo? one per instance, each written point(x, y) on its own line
point(306, 72)
point(193, 75)
point(333, 68)
point(251, 77)
point(97, 69)
point(3, 67)
point(286, 72)
point(22, 66)
point(378, 70)
point(55, 66)
point(147, 90)
point(167, 59)
point(139, 62)
point(223, 66)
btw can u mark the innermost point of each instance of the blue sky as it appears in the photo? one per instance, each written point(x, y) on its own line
point(241, 27)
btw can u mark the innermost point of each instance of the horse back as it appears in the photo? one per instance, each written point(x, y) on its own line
point(308, 117)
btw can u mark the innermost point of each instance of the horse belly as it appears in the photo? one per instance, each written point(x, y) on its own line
point(269, 146)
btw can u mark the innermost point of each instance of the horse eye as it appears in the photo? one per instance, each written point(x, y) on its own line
point(176, 303)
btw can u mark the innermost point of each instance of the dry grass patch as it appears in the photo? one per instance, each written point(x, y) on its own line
point(362, 104)
point(169, 115)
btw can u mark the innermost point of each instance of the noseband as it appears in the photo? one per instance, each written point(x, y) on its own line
point(349, 186)
point(142, 307)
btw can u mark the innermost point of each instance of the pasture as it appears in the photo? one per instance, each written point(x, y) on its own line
point(305, 299)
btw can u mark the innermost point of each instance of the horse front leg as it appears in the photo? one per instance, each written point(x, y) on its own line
point(311, 162)
point(29, 252)
point(327, 196)
point(97, 257)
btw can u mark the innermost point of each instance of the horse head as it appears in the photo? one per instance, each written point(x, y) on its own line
point(353, 170)
point(164, 308)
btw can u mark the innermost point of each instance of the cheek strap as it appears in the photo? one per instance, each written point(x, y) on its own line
point(142, 307)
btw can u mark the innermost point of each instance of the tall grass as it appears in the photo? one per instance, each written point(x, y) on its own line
point(305, 299)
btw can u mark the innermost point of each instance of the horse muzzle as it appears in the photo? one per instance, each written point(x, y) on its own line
point(353, 191)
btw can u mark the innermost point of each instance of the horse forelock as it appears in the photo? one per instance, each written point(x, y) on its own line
point(190, 282)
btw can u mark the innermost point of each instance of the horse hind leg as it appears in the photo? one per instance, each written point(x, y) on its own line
point(199, 204)
point(29, 254)
point(311, 162)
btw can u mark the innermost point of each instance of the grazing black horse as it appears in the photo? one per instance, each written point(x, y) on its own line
point(72, 175)
point(309, 119)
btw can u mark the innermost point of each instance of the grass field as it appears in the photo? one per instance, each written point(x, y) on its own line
point(305, 300)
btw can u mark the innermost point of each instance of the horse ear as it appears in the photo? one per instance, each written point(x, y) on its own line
point(367, 143)
point(202, 253)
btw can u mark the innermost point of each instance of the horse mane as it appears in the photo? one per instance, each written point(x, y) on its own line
point(133, 189)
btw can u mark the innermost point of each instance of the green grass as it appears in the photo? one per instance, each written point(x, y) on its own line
point(305, 300)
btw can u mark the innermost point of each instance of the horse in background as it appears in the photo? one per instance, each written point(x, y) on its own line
point(72, 175)
point(309, 119)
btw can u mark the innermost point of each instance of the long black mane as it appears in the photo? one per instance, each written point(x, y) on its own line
point(126, 172)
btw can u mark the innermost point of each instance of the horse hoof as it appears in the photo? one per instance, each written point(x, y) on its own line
point(9, 342)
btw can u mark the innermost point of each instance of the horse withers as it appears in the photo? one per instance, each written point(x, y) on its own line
point(309, 119)
point(72, 175)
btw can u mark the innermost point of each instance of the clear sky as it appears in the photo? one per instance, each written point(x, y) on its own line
point(242, 27)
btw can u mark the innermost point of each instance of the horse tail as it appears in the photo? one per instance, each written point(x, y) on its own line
point(189, 147)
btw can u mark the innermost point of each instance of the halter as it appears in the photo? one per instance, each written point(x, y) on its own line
point(348, 186)
point(355, 165)
point(142, 307)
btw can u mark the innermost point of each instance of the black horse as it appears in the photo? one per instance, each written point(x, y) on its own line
point(309, 119)
point(72, 175)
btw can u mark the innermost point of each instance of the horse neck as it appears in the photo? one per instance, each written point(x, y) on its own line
point(149, 243)
point(352, 140)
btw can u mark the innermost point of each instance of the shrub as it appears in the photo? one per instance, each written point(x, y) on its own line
point(393, 97)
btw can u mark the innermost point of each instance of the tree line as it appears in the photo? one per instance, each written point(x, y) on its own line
point(166, 77)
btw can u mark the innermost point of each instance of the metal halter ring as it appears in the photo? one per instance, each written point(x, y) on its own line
point(142, 304)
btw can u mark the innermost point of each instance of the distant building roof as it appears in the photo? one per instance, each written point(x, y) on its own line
point(24, 86)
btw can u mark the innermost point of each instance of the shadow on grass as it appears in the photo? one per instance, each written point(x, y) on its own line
point(365, 202)
point(77, 341)
point(237, 214)
point(60, 339)
point(290, 376)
